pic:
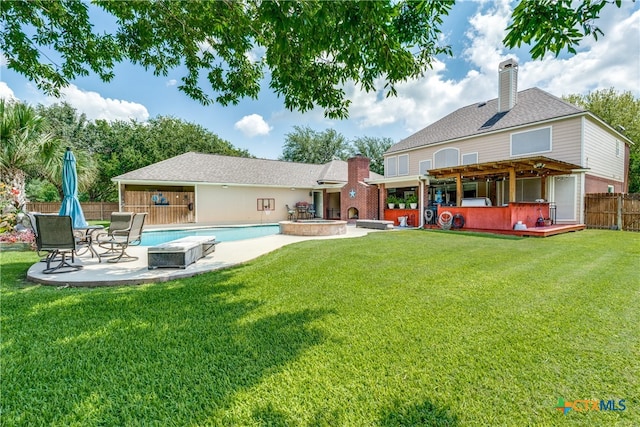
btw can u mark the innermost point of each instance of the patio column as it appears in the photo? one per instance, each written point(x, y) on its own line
point(459, 190)
point(512, 185)
point(543, 187)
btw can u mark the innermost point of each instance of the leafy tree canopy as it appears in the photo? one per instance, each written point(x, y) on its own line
point(373, 148)
point(310, 48)
point(114, 148)
point(305, 145)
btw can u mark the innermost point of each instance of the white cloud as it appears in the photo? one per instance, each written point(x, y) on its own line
point(172, 82)
point(253, 125)
point(96, 107)
point(611, 61)
point(6, 92)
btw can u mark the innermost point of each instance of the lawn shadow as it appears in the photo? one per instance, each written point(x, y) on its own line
point(420, 414)
point(146, 355)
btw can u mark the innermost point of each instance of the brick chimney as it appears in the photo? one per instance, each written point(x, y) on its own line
point(358, 199)
point(358, 168)
point(507, 85)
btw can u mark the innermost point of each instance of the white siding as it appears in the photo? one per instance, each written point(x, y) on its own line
point(600, 152)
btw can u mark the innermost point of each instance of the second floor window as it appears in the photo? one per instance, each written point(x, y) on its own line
point(446, 157)
point(531, 142)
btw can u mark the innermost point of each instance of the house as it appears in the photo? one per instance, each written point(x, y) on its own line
point(522, 147)
point(215, 189)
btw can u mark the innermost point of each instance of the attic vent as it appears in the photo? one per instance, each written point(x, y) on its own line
point(482, 104)
point(493, 120)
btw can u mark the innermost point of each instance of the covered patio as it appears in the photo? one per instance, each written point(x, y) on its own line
point(502, 211)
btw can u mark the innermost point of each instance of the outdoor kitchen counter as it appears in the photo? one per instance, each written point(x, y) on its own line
point(500, 217)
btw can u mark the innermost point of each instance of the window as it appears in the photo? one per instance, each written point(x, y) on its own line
point(470, 158)
point(425, 166)
point(446, 157)
point(391, 168)
point(403, 164)
point(266, 204)
point(530, 142)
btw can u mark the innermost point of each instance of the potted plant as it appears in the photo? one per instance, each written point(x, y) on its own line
point(392, 201)
point(413, 201)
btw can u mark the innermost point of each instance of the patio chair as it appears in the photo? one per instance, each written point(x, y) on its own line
point(291, 212)
point(119, 240)
point(120, 221)
point(55, 236)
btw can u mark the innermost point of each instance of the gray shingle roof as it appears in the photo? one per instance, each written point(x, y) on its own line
point(213, 168)
point(534, 105)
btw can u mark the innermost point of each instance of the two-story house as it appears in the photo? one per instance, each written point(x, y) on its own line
point(522, 147)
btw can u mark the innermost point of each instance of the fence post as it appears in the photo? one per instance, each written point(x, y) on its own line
point(619, 211)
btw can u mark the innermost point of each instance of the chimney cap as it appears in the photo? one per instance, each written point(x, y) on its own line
point(509, 63)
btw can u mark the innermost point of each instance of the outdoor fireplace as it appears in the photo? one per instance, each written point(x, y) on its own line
point(352, 213)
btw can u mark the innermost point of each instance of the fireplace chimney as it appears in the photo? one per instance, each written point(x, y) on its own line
point(507, 85)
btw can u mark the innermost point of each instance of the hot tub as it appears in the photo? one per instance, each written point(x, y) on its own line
point(313, 227)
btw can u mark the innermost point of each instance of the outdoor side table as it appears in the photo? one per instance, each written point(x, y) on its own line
point(85, 238)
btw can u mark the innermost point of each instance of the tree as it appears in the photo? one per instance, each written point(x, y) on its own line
point(621, 110)
point(310, 48)
point(67, 127)
point(25, 147)
point(305, 145)
point(123, 146)
point(374, 149)
point(554, 25)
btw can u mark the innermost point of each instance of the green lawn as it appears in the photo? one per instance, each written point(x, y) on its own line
point(396, 328)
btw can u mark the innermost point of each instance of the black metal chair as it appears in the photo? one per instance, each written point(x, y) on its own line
point(119, 240)
point(55, 236)
point(291, 212)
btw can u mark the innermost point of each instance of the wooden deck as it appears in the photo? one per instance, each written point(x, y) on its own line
point(551, 230)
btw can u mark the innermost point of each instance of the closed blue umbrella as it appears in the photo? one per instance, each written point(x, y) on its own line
point(70, 203)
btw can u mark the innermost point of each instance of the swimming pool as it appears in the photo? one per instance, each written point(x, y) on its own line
point(223, 234)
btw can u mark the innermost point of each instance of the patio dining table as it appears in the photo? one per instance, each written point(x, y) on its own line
point(85, 238)
point(302, 212)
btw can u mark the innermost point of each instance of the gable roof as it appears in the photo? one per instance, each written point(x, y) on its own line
point(212, 168)
point(534, 105)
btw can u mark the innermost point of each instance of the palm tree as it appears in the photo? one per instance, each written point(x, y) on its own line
point(25, 148)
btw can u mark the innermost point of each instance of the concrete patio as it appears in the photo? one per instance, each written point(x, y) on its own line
point(227, 254)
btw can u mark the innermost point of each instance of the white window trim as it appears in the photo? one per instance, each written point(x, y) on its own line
point(443, 149)
point(532, 152)
point(402, 157)
point(469, 154)
point(427, 169)
point(393, 159)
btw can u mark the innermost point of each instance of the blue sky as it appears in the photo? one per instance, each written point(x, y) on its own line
point(474, 30)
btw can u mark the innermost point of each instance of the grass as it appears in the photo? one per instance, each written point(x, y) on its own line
point(398, 328)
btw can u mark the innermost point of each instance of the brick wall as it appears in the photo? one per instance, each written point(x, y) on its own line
point(357, 197)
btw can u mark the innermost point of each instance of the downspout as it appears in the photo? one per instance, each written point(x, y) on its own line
point(120, 199)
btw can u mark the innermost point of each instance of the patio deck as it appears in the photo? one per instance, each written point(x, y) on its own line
point(548, 231)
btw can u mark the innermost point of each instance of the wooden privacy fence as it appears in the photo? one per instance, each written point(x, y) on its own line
point(166, 207)
point(93, 211)
point(615, 211)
